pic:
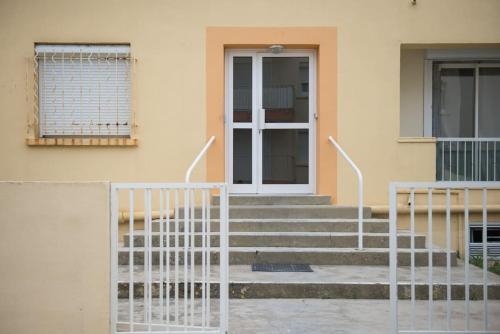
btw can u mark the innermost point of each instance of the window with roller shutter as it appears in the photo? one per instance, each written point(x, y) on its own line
point(84, 90)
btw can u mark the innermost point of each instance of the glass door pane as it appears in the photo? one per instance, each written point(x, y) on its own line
point(285, 123)
point(285, 156)
point(242, 135)
point(285, 89)
point(242, 156)
point(242, 89)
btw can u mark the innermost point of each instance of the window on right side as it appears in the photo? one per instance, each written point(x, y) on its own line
point(466, 120)
point(453, 95)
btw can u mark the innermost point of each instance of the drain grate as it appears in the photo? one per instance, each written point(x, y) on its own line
point(280, 267)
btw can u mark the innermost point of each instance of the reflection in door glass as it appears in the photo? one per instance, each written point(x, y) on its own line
point(285, 91)
point(285, 156)
point(242, 89)
point(242, 156)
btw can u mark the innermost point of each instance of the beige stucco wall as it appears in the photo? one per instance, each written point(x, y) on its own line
point(412, 93)
point(168, 38)
point(54, 255)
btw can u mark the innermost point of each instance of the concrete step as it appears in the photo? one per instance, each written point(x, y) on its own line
point(276, 200)
point(288, 239)
point(319, 256)
point(325, 282)
point(341, 290)
point(285, 211)
point(370, 225)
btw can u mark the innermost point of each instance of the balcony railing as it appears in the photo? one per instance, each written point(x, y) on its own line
point(468, 159)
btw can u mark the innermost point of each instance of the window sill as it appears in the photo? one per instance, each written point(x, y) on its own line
point(431, 140)
point(81, 141)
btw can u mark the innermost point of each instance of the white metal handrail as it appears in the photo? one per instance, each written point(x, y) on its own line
point(197, 159)
point(360, 190)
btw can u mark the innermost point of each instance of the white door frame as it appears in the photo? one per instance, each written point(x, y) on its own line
point(257, 186)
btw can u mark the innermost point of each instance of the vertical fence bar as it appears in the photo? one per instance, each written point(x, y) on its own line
point(458, 151)
point(485, 259)
point(131, 260)
point(480, 170)
point(429, 260)
point(176, 254)
point(494, 161)
point(114, 259)
point(466, 257)
point(203, 239)
point(167, 262)
point(412, 255)
point(449, 157)
point(223, 255)
point(448, 259)
point(150, 261)
point(472, 160)
point(487, 161)
point(465, 161)
point(393, 255)
point(161, 281)
point(193, 245)
point(145, 257)
point(442, 160)
point(209, 253)
point(186, 245)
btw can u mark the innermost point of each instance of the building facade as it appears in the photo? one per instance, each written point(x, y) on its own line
point(357, 73)
point(93, 92)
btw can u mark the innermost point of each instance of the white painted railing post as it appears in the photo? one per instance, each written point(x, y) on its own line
point(393, 259)
point(360, 189)
point(198, 158)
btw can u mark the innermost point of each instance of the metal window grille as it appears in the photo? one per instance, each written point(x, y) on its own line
point(83, 90)
point(468, 159)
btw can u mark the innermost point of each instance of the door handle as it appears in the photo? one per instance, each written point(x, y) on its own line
point(262, 119)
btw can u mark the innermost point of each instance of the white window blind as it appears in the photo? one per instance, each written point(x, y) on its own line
point(84, 90)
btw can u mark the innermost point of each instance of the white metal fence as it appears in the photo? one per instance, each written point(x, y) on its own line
point(455, 297)
point(164, 275)
point(468, 159)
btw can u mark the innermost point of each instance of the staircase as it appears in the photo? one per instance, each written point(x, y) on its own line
point(309, 230)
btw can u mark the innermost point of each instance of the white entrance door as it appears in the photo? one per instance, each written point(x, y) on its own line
point(270, 113)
